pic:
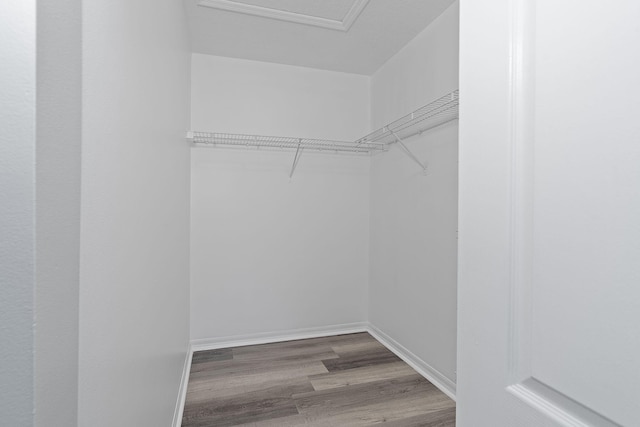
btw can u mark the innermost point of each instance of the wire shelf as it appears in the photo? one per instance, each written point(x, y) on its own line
point(436, 113)
point(285, 143)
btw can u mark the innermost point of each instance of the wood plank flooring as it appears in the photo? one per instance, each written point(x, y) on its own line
point(345, 380)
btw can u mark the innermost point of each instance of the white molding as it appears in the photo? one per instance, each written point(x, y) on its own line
point(521, 138)
point(437, 378)
point(279, 336)
point(282, 15)
point(564, 410)
point(353, 14)
point(182, 391)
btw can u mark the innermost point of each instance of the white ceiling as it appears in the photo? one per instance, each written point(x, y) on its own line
point(354, 36)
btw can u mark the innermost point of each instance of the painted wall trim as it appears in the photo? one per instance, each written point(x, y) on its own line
point(437, 378)
point(182, 391)
point(278, 336)
point(283, 15)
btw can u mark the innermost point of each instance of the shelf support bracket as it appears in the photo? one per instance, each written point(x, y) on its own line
point(296, 159)
point(408, 152)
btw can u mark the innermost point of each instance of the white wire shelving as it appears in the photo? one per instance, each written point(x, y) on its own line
point(284, 143)
point(434, 114)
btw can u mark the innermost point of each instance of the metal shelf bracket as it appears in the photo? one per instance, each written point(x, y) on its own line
point(408, 152)
point(296, 159)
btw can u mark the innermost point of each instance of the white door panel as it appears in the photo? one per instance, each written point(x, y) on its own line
point(549, 281)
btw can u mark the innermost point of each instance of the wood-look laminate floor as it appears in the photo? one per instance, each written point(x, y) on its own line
point(345, 380)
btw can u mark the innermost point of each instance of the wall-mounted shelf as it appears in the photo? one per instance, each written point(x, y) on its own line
point(435, 113)
point(284, 143)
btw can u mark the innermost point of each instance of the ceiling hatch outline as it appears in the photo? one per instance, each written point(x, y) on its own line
point(283, 15)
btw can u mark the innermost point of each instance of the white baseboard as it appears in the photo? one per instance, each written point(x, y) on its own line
point(279, 336)
point(436, 377)
point(182, 391)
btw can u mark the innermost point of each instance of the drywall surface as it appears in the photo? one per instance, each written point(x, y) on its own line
point(241, 96)
point(134, 267)
point(17, 210)
point(269, 254)
point(414, 217)
point(59, 103)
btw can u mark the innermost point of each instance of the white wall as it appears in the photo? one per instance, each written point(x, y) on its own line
point(59, 103)
point(134, 267)
point(17, 210)
point(252, 97)
point(267, 254)
point(414, 217)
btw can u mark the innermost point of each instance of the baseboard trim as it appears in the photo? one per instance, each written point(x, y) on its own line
point(182, 391)
point(436, 377)
point(279, 336)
